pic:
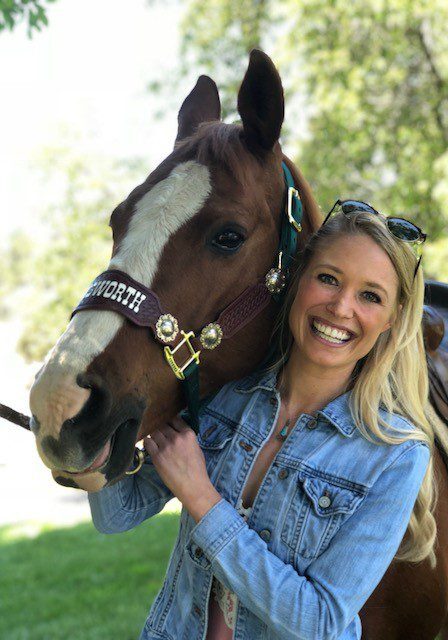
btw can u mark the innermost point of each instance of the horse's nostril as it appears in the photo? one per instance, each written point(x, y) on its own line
point(89, 381)
point(98, 403)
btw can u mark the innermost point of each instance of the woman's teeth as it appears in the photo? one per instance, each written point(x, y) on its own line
point(331, 334)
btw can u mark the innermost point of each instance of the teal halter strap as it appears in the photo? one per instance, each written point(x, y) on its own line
point(292, 222)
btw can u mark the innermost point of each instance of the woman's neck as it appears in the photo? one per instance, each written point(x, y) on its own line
point(306, 388)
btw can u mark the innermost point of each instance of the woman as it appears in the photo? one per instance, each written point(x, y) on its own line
point(304, 477)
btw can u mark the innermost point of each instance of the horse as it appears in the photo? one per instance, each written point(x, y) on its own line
point(200, 232)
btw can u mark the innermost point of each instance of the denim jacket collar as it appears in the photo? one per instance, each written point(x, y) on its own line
point(337, 412)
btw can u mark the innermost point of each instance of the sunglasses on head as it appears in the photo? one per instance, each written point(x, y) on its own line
point(399, 227)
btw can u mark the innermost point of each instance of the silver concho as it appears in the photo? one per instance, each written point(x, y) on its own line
point(275, 280)
point(211, 335)
point(167, 328)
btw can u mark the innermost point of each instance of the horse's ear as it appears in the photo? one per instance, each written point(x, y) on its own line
point(201, 105)
point(261, 103)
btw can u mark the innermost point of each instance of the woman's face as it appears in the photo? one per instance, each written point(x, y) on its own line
point(346, 298)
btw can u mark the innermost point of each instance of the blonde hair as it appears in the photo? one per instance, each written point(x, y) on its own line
point(392, 375)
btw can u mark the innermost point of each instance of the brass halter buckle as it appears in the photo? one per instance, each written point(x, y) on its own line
point(169, 355)
point(293, 193)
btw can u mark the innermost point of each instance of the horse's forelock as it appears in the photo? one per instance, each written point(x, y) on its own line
point(220, 144)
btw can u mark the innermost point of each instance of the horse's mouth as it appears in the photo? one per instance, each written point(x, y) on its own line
point(116, 455)
point(100, 461)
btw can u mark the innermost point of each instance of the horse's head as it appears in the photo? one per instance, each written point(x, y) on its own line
point(202, 228)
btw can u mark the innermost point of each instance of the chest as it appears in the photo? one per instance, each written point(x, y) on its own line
point(261, 465)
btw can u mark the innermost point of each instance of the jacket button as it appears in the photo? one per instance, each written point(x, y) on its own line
point(265, 535)
point(283, 473)
point(197, 611)
point(312, 424)
point(324, 502)
point(198, 553)
point(245, 445)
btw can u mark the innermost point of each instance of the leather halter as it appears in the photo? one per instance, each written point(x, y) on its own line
point(115, 290)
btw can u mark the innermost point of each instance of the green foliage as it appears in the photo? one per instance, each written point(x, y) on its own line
point(379, 84)
point(47, 277)
point(15, 264)
point(366, 86)
point(218, 35)
point(32, 12)
point(76, 583)
point(366, 116)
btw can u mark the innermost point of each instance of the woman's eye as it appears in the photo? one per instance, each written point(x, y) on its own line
point(326, 278)
point(370, 296)
point(228, 240)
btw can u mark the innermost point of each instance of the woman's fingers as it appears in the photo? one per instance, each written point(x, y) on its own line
point(179, 424)
point(165, 434)
point(162, 436)
point(150, 446)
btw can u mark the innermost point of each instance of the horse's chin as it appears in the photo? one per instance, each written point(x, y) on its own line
point(93, 481)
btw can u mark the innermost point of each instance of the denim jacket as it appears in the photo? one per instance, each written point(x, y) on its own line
point(327, 520)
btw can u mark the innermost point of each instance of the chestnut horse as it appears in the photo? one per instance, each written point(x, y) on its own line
point(201, 229)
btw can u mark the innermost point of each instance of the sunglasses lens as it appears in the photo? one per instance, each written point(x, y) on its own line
point(348, 206)
point(403, 230)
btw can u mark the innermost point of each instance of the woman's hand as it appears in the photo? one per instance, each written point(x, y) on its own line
point(180, 463)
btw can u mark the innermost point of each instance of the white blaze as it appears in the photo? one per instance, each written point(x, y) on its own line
point(55, 395)
point(158, 215)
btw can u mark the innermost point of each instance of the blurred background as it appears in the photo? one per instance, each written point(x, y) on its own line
point(90, 94)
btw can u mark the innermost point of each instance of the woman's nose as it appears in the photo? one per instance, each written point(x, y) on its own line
point(342, 305)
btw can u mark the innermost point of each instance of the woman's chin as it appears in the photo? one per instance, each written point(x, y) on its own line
point(326, 359)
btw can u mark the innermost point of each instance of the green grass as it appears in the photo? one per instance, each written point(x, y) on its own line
point(77, 584)
point(74, 583)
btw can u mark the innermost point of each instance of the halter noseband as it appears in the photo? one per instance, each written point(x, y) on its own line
point(115, 290)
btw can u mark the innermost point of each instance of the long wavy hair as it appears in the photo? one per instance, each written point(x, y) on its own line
point(393, 375)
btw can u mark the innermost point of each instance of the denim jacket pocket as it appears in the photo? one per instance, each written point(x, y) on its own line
point(215, 433)
point(317, 510)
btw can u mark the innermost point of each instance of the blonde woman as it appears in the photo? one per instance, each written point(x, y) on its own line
point(305, 476)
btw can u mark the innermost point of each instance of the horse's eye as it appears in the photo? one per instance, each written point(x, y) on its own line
point(228, 240)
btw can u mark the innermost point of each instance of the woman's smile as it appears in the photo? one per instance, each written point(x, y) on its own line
point(328, 333)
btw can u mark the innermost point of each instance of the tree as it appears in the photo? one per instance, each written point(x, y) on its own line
point(366, 86)
point(32, 12)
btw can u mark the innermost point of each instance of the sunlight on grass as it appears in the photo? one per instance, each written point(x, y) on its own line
point(30, 530)
point(76, 583)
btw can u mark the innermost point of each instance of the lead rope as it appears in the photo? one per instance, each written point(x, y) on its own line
point(15, 417)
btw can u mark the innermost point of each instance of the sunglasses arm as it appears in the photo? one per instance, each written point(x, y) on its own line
point(331, 211)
